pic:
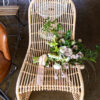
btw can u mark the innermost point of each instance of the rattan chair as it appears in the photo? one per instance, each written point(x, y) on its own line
point(65, 13)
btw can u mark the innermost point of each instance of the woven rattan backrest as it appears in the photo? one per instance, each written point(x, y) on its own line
point(62, 10)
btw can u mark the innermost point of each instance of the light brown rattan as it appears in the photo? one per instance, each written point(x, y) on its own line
point(26, 82)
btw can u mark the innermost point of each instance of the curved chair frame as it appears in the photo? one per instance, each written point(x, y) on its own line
point(27, 79)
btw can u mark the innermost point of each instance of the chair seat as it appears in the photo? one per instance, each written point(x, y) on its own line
point(29, 74)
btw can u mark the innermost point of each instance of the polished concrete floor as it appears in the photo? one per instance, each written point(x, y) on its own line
point(87, 28)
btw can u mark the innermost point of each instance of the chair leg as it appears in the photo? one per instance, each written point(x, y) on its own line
point(24, 96)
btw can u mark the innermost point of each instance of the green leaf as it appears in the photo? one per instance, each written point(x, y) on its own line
point(59, 27)
point(35, 60)
point(53, 22)
point(56, 49)
point(67, 35)
point(53, 44)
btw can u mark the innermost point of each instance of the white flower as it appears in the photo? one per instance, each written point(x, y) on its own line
point(54, 56)
point(55, 76)
point(59, 58)
point(73, 42)
point(54, 37)
point(43, 59)
point(67, 59)
point(73, 57)
point(51, 55)
point(62, 40)
point(80, 40)
point(80, 54)
point(62, 49)
point(75, 47)
point(57, 66)
point(68, 52)
point(77, 56)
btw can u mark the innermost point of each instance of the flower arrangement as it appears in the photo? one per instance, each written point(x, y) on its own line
point(63, 50)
